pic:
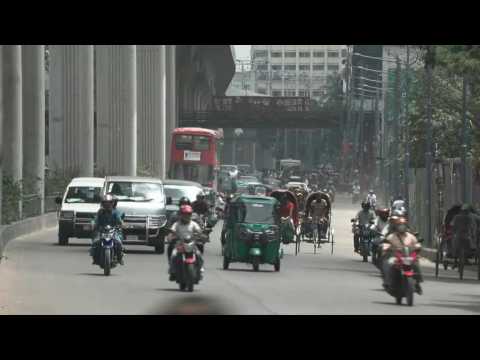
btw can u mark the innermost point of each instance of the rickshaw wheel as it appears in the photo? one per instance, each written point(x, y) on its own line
point(256, 264)
point(226, 263)
point(461, 263)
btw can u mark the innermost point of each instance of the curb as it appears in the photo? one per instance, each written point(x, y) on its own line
point(25, 227)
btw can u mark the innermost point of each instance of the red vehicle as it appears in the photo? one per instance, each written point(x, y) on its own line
point(194, 155)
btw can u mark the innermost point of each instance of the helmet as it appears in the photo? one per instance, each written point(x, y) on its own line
point(186, 210)
point(365, 205)
point(400, 212)
point(108, 199)
point(383, 213)
point(200, 196)
point(184, 201)
point(370, 191)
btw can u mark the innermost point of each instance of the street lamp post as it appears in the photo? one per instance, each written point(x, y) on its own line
point(406, 133)
point(464, 139)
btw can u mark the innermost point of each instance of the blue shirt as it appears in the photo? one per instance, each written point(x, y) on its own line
point(103, 218)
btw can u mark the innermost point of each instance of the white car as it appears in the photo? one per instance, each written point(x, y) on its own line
point(79, 206)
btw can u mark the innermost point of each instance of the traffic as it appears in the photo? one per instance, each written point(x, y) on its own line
point(260, 213)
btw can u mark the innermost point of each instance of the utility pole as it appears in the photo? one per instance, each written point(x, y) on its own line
point(360, 147)
point(406, 132)
point(465, 149)
point(396, 152)
point(429, 65)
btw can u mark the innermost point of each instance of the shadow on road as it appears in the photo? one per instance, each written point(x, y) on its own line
point(450, 280)
point(133, 251)
point(72, 245)
point(248, 270)
point(95, 274)
point(172, 289)
point(471, 306)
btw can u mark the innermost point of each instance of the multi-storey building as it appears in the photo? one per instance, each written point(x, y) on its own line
point(295, 70)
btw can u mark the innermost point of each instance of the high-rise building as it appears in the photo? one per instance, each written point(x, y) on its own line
point(295, 70)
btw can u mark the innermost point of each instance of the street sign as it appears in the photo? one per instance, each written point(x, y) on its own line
point(191, 155)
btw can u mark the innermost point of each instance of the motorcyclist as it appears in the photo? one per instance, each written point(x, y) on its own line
point(174, 218)
point(372, 199)
point(226, 215)
point(200, 205)
point(182, 229)
point(364, 217)
point(397, 240)
point(107, 215)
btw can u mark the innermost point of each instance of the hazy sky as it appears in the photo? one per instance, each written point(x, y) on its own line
point(242, 51)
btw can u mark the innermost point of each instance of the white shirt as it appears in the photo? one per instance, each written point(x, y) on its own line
point(185, 230)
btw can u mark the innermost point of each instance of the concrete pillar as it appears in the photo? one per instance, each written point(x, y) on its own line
point(1, 134)
point(33, 93)
point(151, 105)
point(116, 85)
point(171, 96)
point(12, 113)
point(71, 128)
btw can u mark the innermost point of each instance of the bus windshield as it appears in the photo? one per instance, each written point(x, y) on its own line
point(192, 142)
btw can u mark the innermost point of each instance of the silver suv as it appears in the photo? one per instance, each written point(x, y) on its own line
point(143, 202)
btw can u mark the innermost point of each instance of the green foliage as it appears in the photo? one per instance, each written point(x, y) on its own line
point(11, 196)
point(57, 182)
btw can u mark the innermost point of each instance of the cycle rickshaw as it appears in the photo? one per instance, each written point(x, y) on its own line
point(446, 254)
point(309, 227)
point(287, 234)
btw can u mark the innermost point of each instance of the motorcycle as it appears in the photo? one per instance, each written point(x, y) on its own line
point(365, 237)
point(403, 281)
point(106, 254)
point(187, 267)
point(376, 248)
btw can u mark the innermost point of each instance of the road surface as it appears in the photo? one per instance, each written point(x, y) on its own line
point(40, 277)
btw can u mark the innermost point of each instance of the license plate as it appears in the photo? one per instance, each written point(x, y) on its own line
point(87, 227)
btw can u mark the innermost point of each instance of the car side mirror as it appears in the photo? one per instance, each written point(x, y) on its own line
point(58, 200)
point(169, 200)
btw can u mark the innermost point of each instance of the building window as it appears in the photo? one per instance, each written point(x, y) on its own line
point(290, 67)
point(261, 91)
point(344, 53)
point(262, 76)
point(276, 92)
point(290, 54)
point(276, 76)
point(276, 54)
point(319, 54)
point(260, 53)
point(276, 67)
point(333, 54)
point(316, 93)
point(290, 93)
point(304, 54)
point(303, 93)
point(318, 67)
point(332, 67)
point(304, 67)
point(262, 67)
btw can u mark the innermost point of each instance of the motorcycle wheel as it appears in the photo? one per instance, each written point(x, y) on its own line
point(256, 263)
point(107, 262)
point(190, 277)
point(409, 290)
point(276, 266)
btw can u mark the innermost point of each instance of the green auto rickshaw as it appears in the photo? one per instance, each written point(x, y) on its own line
point(252, 232)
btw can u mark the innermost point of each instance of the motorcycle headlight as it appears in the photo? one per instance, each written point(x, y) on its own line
point(67, 215)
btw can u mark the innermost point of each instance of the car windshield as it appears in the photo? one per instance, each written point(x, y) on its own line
point(83, 194)
point(176, 192)
point(257, 213)
point(136, 191)
point(228, 168)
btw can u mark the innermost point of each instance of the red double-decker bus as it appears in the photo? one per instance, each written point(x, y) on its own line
point(194, 155)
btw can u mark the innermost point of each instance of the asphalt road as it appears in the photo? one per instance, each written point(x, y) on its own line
point(40, 277)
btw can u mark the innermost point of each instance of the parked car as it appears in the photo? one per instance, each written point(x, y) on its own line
point(144, 204)
point(79, 206)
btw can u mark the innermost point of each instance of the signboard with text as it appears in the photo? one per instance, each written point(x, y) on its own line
point(191, 155)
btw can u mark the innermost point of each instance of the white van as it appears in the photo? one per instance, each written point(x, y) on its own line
point(79, 206)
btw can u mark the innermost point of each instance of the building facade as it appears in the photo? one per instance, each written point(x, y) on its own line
point(295, 70)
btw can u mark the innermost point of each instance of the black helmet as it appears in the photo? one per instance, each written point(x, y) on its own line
point(200, 196)
point(365, 205)
point(184, 201)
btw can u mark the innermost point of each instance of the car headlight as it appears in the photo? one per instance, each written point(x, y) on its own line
point(67, 215)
